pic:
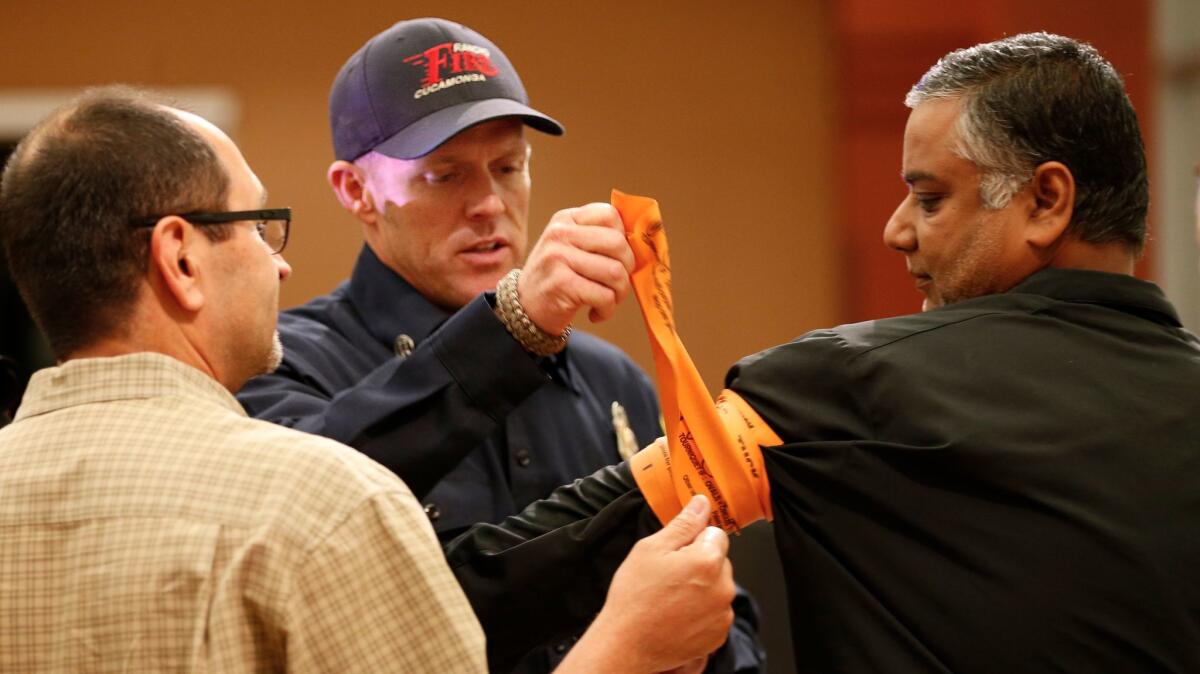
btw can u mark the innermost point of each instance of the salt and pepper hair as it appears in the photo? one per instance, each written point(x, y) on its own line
point(1038, 97)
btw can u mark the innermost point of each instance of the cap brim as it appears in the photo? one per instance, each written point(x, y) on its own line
point(426, 134)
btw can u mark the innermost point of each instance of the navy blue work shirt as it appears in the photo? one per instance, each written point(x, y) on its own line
point(474, 425)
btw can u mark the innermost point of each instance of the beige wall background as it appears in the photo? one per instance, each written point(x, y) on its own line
point(722, 112)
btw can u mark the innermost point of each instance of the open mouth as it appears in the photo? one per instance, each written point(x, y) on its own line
point(486, 247)
point(487, 253)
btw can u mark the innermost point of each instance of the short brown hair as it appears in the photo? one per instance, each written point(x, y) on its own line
point(68, 196)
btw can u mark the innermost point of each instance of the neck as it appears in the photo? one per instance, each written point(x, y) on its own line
point(153, 332)
point(110, 347)
point(1114, 258)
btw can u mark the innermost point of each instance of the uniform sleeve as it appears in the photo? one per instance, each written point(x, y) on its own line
point(375, 595)
point(417, 416)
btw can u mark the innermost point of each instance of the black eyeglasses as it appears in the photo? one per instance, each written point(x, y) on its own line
point(272, 224)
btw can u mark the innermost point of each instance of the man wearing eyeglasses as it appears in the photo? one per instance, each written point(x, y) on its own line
point(437, 358)
point(149, 525)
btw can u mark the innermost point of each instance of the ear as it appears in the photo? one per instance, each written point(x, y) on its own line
point(349, 183)
point(175, 257)
point(1053, 189)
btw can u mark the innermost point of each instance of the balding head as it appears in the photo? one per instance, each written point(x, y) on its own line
point(71, 190)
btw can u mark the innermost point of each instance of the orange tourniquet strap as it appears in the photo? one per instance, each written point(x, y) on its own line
point(714, 450)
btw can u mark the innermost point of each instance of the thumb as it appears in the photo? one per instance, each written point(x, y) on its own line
point(688, 524)
point(715, 539)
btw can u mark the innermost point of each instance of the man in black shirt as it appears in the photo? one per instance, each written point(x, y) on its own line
point(1010, 480)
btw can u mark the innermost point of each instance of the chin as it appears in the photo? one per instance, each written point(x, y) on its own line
point(464, 294)
point(489, 280)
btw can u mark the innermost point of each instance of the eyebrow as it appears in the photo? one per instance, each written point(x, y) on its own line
point(264, 197)
point(914, 176)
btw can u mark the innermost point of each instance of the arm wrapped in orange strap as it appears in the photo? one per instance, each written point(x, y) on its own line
point(711, 450)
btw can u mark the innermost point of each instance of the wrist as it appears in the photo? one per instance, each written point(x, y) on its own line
point(603, 648)
point(510, 312)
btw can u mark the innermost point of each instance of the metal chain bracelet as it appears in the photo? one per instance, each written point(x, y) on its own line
point(531, 338)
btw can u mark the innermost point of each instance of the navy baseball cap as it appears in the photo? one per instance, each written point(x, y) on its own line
point(416, 84)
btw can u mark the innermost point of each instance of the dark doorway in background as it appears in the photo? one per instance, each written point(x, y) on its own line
point(20, 339)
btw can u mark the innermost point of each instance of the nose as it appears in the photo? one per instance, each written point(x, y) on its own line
point(285, 269)
point(484, 201)
point(898, 233)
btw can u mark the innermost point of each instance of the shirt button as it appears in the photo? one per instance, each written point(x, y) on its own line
point(432, 512)
point(522, 457)
point(560, 648)
point(403, 346)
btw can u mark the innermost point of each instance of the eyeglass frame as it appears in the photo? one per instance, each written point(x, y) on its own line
point(226, 217)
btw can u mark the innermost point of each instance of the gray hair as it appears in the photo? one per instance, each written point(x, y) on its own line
point(1003, 168)
point(1038, 97)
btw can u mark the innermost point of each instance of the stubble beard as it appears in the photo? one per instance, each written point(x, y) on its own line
point(975, 274)
point(275, 356)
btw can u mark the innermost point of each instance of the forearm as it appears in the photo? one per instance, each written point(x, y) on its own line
point(601, 649)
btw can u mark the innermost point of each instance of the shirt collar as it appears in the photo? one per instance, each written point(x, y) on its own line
point(388, 304)
point(1119, 291)
point(136, 376)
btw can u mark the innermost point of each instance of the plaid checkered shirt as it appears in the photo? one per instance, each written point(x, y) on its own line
point(148, 525)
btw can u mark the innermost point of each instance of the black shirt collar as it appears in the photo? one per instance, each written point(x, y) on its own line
point(1119, 291)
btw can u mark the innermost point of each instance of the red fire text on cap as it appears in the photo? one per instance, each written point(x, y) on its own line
point(452, 58)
